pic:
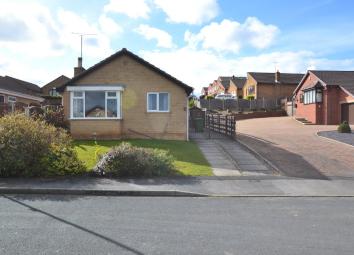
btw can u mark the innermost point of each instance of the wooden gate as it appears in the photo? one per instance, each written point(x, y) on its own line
point(222, 124)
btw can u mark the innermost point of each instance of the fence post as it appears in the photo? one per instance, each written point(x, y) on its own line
point(219, 121)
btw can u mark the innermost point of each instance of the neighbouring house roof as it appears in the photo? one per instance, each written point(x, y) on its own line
point(125, 52)
point(56, 83)
point(20, 86)
point(239, 81)
point(204, 89)
point(345, 79)
point(225, 81)
point(269, 78)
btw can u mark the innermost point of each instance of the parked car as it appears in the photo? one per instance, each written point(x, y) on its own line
point(225, 96)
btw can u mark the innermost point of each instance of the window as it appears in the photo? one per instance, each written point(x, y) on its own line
point(11, 99)
point(53, 92)
point(319, 96)
point(78, 105)
point(311, 96)
point(95, 104)
point(158, 102)
point(2, 99)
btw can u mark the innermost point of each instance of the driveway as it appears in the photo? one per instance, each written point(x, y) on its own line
point(296, 149)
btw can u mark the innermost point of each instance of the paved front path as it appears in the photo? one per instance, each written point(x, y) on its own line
point(296, 149)
point(228, 158)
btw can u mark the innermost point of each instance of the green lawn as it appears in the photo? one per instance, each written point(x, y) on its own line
point(188, 158)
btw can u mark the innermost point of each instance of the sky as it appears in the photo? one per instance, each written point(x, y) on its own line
point(194, 40)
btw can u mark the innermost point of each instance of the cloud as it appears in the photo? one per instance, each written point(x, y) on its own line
point(29, 28)
point(8, 26)
point(231, 35)
point(189, 11)
point(37, 44)
point(96, 43)
point(109, 26)
point(34, 30)
point(131, 8)
point(163, 38)
point(200, 67)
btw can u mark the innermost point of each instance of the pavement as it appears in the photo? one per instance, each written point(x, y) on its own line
point(182, 186)
point(346, 138)
point(296, 149)
point(155, 225)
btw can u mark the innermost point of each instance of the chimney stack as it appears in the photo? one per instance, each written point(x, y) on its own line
point(79, 69)
point(277, 76)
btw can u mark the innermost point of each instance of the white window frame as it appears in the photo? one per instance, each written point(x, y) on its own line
point(157, 101)
point(2, 96)
point(11, 99)
point(310, 97)
point(118, 97)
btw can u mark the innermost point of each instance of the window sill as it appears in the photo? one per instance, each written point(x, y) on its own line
point(95, 119)
point(158, 111)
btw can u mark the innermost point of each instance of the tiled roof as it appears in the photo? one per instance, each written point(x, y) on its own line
point(126, 52)
point(239, 81)
point(269, 78)
point(16, 85)
point(57, 82)
point(225, 81)
point(344, 79)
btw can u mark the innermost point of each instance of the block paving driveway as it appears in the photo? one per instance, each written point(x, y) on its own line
point(296, 149)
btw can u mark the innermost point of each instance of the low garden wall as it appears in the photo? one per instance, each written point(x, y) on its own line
point(253, 115)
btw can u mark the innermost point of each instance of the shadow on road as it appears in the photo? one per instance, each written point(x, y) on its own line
point(107, 239)
point(289, 163)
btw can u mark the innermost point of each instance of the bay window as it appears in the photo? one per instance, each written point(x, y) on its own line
point(158, 102)
point(95, 104)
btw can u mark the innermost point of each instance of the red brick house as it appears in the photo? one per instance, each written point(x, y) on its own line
point(216, 88)
point(325, 97)
point(227, 85)
point(204, 92)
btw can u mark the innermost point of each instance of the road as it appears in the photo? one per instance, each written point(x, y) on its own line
point(144, 225)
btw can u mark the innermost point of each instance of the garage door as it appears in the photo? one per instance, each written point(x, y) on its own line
point(348, 113)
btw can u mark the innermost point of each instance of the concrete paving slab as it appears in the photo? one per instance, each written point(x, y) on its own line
point(228, 158)
point(253, 167)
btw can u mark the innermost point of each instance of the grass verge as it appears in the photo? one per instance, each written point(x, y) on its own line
point(189, 160)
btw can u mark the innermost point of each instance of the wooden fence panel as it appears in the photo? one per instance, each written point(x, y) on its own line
point(239, 105)
point(223, 124)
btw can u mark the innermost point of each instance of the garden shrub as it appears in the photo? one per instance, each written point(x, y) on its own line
point(53, 115)
point(30, 147)
point(126, 160)
point(344, 127)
